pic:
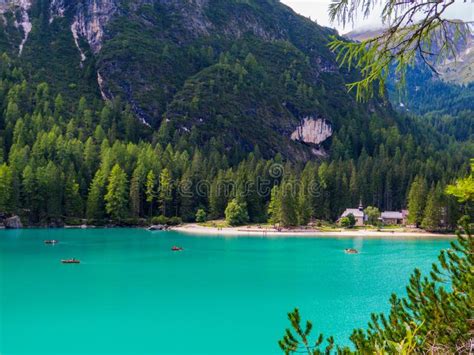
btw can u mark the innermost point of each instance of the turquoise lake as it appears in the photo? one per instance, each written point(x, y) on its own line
point(132, 295)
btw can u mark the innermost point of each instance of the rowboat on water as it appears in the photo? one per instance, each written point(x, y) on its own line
point(70, 261)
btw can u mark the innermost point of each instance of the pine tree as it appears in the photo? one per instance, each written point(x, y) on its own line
point(29, 192)
point(218, 196)
point(165, 196)
point(416, 201)
point(433, 213)
point(289, 204)
point(304, 202)
point(73, 206)
point(150, 190)
point(50, 191)
point(274, 207)
point(95, 198)
point(6, 190)
point(186, 197)
point(135, 193)
point(116, 197)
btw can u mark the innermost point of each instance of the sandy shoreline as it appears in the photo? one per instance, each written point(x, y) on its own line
point(268, 232)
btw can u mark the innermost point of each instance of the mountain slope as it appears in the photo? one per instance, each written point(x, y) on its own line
point(246, 73)
point(446, 99)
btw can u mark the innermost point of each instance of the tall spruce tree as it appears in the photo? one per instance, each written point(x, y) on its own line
point(6, 190)
point(150, 193)
point(165, 195)
point(95, 199)
point(417, 200)
point(289, 203)
point(274, 207)
point(116, 197)
point(73, 204)
point(433, 214)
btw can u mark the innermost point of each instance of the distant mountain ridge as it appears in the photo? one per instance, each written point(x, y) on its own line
point(457, 70)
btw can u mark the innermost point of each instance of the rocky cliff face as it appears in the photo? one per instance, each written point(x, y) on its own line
point(242, 72)
point(22, 21)
point(88, 21)
point(312, 131)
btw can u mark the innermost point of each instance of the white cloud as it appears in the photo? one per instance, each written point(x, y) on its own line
point(317, 10)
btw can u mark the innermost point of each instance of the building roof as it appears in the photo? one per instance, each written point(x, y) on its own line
point(355, 212)
point(392, 215)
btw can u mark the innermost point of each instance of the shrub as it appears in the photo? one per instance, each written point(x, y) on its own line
point(159, 220)
point(236, 213)
point(201, 216)
point(175, 221)
point(373, 214)
point(172, 221)
point(348, 222)
point(345, 222)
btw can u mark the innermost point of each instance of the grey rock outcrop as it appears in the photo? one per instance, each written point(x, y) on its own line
point(13, 223)
point(312, 130)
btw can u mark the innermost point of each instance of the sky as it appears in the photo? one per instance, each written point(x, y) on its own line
point(317, 10)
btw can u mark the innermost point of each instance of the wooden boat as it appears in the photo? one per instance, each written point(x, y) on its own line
point(50, 241)
point(351, 251)
point(175, 248)
point(70, 261)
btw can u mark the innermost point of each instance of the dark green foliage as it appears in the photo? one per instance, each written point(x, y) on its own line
point(236, 213)
point(417, 201)
point(160, 220)
point(300, 342)
point(211, 99)
point(201, 216)
point(373, 215)
point(163, 220)
point(349, 221)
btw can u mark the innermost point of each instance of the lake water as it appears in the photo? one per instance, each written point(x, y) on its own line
point(132, 295)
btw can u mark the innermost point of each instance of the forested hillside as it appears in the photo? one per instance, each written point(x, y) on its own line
point(442, 94)
point(96, 161)
point(154, 115)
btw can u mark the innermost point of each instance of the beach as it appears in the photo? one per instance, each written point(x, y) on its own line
point(310, 233)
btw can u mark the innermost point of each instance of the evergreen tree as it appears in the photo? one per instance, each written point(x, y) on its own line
point(186, 197)
point(289, 203)
point(150, 190)
point(50, 191)
point(30, 192)
point(218, 196)
point(274, 207)
point(416, 201)
point(304, 205)
point(6, 190)
point(165, 195)
point(135, 193)
point(116, 197)
point(433, 213)
point(73, 206)
point(95, 198)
